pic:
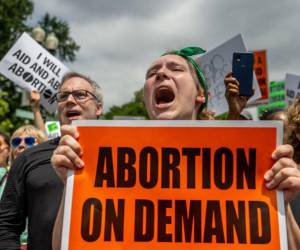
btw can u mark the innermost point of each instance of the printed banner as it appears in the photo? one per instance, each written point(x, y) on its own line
point(261, 71)
point(52, 129)
point(216, 63)
point(292, 87)
point(174, 185)
point(30, 66)
point(277, 97)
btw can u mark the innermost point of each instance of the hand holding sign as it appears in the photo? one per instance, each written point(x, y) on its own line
point(67, 154)
point(284, 174)
point(112, 160)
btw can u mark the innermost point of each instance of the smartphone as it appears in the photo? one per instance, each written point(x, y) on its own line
point(242, 70)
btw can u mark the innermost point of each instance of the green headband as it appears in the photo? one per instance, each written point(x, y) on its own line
point(187, 54)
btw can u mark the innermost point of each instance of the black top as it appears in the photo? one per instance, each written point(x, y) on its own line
point(32, 190)
point(295, 205)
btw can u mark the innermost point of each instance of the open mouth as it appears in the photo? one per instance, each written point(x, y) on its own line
point(164, 95)
point(73, 113)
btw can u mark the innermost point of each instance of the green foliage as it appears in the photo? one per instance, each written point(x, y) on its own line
point(135, 107)
point(4, 108)
point(13, 14)
point(222, 116)
point(13, 17)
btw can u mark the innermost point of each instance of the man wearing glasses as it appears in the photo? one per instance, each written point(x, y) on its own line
point(33, 189)
point(78, 99)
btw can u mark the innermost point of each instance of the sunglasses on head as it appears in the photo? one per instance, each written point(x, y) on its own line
point(29, 141)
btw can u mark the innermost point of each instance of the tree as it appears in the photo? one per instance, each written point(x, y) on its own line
point(136, 107)
point(67, 46)
point(13, 16)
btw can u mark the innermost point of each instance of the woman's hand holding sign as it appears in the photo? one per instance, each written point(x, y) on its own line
point(284, 174)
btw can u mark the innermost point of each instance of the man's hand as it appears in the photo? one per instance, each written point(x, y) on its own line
point(67, 154)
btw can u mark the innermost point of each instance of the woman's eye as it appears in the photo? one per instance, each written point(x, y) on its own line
point(177, 69)
point(151, 73)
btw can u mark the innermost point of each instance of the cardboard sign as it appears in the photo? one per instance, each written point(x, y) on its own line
point(250, 113)
point(261, 71)
point(216, 64)
point(30, 66)
point(292, 87)
point(174, 185)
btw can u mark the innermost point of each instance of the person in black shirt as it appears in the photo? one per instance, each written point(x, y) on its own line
point(33, 190)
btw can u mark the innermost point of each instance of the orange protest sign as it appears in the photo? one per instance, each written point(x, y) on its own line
point(261, 72)
point(174, 185)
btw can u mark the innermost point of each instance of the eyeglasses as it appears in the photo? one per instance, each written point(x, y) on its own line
point(78, 95)
point(29, 141)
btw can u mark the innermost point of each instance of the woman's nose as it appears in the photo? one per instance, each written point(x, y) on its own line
point(162, 74)
point(22, 145)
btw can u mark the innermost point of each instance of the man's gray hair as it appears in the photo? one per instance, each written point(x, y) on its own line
point(97, 89)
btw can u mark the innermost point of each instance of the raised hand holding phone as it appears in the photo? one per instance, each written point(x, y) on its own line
point(242, 70)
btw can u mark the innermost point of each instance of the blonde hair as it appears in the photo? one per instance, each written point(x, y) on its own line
point(29, 130)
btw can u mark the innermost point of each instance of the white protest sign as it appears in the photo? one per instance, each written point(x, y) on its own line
point(250, 113)
point(31, 66)
point(216, 63)
point(292, 87)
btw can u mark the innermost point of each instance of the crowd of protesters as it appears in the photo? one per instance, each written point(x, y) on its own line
point(175, 89)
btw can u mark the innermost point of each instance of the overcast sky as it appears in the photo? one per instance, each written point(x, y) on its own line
point(120, 38)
